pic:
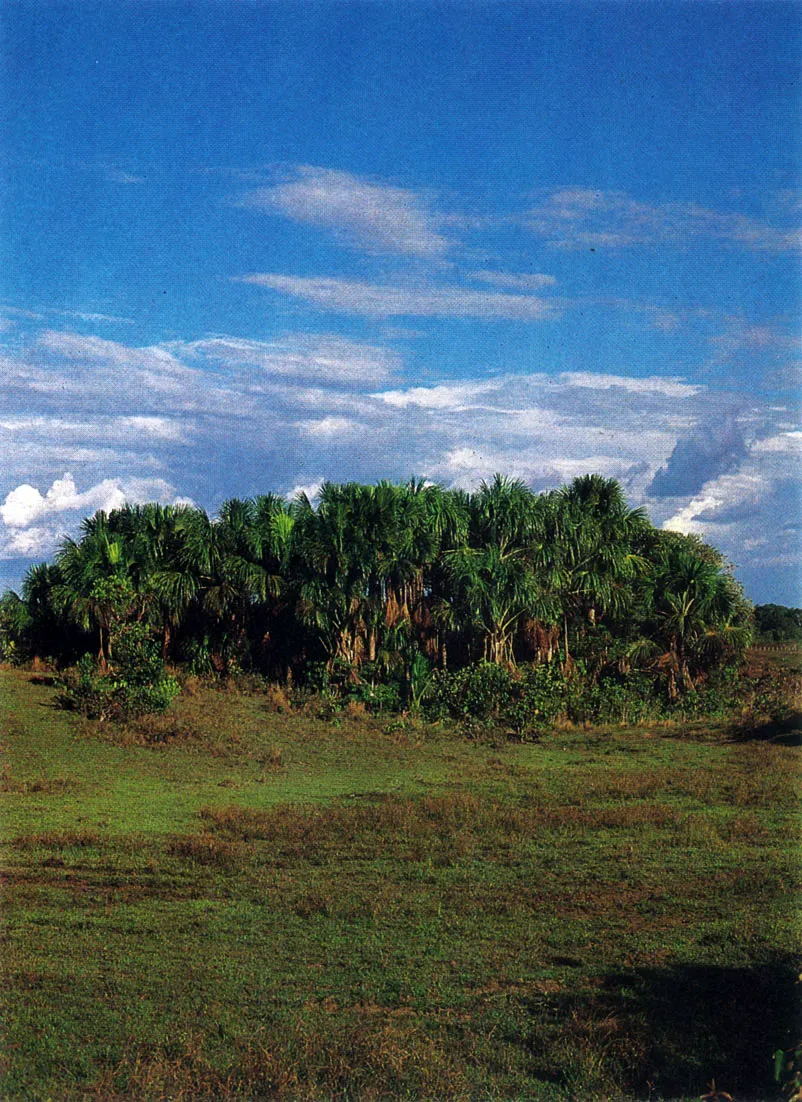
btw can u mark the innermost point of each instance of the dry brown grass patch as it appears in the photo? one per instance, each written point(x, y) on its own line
point(58, 839)
point(47, 786)
point(207, 849)
point(277, 699)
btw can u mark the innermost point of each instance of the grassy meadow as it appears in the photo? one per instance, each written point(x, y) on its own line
point(236, 900)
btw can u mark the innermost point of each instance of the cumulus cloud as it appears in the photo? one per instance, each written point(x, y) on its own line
point(721, 500)
point(380, 301)
point(711, 449)
point(242, 415)
point(33, 523)
point(583, 218)
point(373, 216)
point(26, 504)
point(310, 491)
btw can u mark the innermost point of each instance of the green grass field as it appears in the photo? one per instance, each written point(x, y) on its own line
point(268, 905)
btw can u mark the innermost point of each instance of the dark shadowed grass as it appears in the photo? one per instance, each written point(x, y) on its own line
point(280, 908)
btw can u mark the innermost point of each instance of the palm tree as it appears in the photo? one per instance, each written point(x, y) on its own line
point(588, 548)
point(47, 628)
point(330, 569)
point(493, 581)
point(153, 538)
point(699, 612)
point(96, 583)
point(218, 566)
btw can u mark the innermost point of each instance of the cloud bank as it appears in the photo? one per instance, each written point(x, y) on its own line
point(223, 415)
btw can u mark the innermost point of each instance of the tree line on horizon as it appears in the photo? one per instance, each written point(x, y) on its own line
point(373, 578)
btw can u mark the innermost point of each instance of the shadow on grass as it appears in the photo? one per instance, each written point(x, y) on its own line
point(676, 1029)
point(785, 732)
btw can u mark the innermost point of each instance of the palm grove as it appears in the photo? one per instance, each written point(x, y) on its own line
point(381, 590)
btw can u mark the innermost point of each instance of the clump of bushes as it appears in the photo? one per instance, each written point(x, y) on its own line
point(136, 683)
point(524, 699)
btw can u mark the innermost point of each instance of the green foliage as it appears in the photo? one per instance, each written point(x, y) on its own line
point(631, 698)
point(199, 657)
point(14, 624)
point(136, 685)
point(524, 700)
point(421, 680)
point(382, 583)
point(476, 692)
point(778, 624)
point(377, 698)
point(788, 1072)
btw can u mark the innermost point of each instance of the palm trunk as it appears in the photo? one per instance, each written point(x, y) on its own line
point(567, 661)
point(104, 651)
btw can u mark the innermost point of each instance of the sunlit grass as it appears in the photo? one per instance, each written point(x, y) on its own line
point(260, 904)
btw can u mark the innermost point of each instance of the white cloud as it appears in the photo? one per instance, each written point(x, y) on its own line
point(533, 281)
point(582, 218)
point(372, 300)
point(374, 216)
point(322, 358)
point(33, 523)
point(310, 490)
point(788, 444)
point(26, 504)
point(442, 396)
point(28, 543)
point(686, 520)
point(670, 387)
point(329, 427)
point(110, 353)
point(22, 506)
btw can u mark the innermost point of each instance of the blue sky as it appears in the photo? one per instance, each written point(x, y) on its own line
point(251, 246)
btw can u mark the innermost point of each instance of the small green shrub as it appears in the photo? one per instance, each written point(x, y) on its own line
point(525, 699)
point(136, 685)
point(377, 698)
point(631, 698)
point(475, 692)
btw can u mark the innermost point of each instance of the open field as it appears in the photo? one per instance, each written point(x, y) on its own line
point(242, 903)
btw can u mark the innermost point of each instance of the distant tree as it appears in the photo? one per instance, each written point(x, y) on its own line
point(778, 624)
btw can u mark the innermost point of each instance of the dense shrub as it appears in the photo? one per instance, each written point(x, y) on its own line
point(523, 699)
point(137, 683)
point(478, 692)
point(378, 697)
point(629, 698)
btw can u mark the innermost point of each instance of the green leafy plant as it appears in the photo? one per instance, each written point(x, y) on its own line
point(788, 1072)
point(136, 685)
